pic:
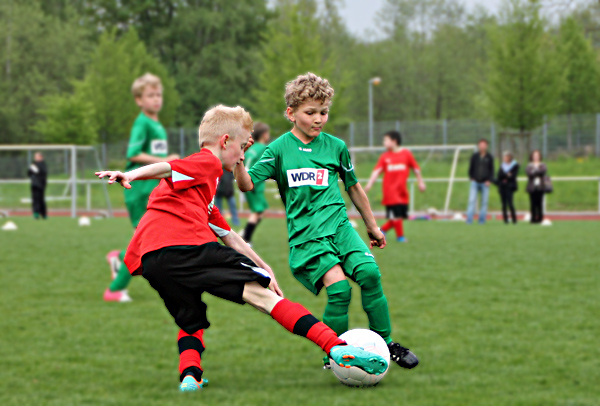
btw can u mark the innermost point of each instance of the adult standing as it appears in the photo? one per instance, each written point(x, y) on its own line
point(536, 173)
point(508, 185)
point(481, 173)
point(39, 175)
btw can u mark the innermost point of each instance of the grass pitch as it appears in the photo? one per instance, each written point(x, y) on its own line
point(499, 315)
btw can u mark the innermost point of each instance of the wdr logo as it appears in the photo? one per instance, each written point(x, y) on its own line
point(308, 177)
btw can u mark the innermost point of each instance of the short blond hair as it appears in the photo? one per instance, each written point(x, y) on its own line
point(222, 120)
point(308, 87)
point(144, 81)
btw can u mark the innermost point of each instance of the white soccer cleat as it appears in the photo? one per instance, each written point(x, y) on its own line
point(119, 296)
point(113, 262)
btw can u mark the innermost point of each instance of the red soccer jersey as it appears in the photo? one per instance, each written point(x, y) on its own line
point(396, 168)
point(181, 209)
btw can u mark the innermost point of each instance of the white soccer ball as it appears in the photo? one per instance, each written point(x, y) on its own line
point(369, 341)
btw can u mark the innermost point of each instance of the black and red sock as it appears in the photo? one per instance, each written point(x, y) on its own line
point(191, 347)
point(387, 226)
point(298, 320)
point(399, 227)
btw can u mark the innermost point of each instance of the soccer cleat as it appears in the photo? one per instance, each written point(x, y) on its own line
point(401, 239)
point(402, 356)
point(118, 296)
point(349, 356)
point(114, 262)
point(326, 363)
point(190, 384)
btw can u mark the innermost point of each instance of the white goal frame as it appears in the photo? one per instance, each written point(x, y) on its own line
point(70, 183)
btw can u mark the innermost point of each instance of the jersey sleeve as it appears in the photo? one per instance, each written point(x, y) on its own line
point(137, 139)
point(193, 171)
point(346, 169)
point(412, 162)
point(380, 163)
point(217, 223)
point(265, 167)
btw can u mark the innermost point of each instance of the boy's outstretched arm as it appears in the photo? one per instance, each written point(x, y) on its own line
point(233, 240)
point(420, 181)
point(242, 178)
point(361, 202)
point(372, 179)
point(159, 170)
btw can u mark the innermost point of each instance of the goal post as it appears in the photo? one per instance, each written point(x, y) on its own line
point(444, 158)
point(15, 175)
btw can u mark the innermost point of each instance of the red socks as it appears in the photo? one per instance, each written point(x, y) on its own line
point(190, 348)
point(387, 226)
point(399, 227)
point(296, 319)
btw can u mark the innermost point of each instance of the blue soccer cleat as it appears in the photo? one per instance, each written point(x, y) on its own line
point(190, 384)
point(402, 239)
point(349, 356)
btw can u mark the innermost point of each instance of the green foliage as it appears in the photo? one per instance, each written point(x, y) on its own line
point(580, 65)
point(114, 65)
point(69, 119)
point(39, 55)
point(295, 44)
point(208, 46)
point(524, 78)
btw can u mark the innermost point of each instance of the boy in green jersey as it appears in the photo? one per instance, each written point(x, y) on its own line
point(147, 145)
point(325, 249)
point(256, 197)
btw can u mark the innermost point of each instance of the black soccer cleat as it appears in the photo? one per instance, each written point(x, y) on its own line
point(402, 356)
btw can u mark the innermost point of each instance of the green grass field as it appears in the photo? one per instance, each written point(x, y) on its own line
point(499, 315)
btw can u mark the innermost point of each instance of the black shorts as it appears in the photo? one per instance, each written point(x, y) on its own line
point(181, 274)
point(397, 211)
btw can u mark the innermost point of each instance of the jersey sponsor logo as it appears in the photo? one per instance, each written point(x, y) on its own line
point(305, 149)
point(158, 147)
point(308, 177)
point(396, 167)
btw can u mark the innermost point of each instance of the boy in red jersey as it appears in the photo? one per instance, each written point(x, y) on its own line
point(395, 164)
point(175, 248)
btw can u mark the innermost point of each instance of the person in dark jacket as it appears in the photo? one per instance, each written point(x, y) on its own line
point(481, 173)
point(508, 185)
point(536, 172)
point(225, 190)
point(39, 174)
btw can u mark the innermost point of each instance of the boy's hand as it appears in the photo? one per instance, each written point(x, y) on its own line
point(249, 144)
point(377, 238)
point(115, 176)
point(422, 186)
point(274, 286)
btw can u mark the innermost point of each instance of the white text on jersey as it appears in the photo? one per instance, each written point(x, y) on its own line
point(308, 177)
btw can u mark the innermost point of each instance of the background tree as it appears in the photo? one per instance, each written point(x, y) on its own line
point(524, 78)
point(294, 45)
point(582, 76)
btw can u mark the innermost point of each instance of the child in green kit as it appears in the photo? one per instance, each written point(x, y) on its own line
point(325, 250)
point(147, 145)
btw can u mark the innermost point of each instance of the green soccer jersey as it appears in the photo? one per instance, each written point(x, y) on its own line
point(147, 136)
point(307, 177)
point(252, 156)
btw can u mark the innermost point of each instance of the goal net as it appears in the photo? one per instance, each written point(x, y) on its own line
point(72, 188)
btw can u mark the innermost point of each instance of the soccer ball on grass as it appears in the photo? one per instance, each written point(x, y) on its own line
point(369, 341)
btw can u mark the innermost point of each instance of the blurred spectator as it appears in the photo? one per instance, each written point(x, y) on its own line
point(538, 184)
point(225, 190)
point(507, 185)
point(481, 173)
point(39, 174)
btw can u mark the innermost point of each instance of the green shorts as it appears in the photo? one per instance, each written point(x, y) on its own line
point(309, 261)
point(257, 203)
point(136, 199)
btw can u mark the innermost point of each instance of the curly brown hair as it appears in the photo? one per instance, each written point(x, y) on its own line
point(307, 87)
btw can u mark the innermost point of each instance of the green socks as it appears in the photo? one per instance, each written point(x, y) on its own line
point(374, 301)
point(123, 276)
point(336, 311)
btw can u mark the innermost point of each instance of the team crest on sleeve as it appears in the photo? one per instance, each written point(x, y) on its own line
point(308, 177)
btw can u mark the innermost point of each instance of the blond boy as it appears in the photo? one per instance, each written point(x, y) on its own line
point(175, 248)
point(147, 145)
